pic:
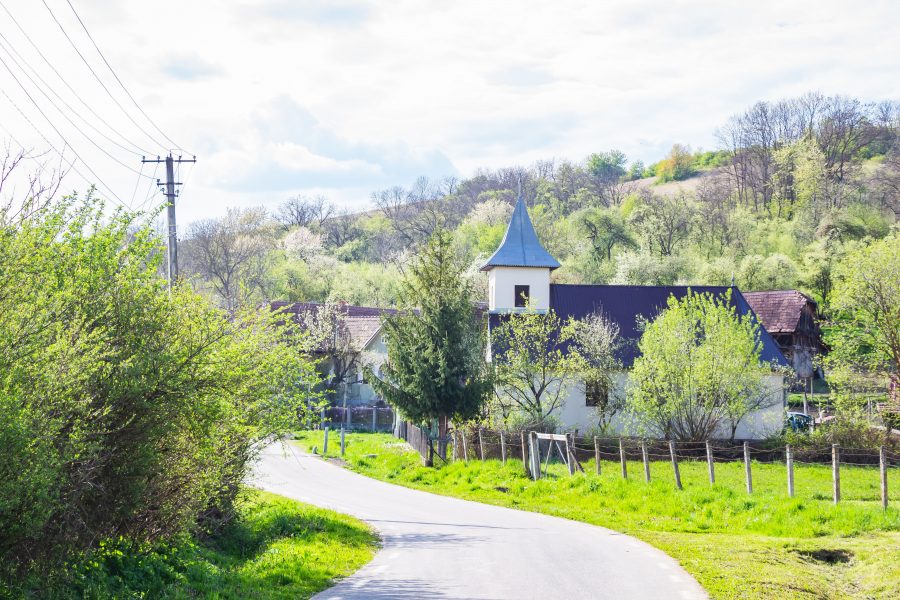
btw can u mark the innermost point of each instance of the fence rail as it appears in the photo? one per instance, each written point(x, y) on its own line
point(616, 452)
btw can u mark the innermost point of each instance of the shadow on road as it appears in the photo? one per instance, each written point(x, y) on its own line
point(393, 589)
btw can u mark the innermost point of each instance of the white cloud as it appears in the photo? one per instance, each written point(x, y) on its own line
point(347, 97)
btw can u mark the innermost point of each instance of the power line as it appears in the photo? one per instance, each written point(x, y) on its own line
point(10, 49)
point(66, 83)
point(111, 70)
point(89, 138)
point(150, 187)
point(61, 154)
point(97, 77)
point(137, 183)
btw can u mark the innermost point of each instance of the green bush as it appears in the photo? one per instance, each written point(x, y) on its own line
point(128, 410)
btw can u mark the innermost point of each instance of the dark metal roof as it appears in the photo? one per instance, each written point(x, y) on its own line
point(520, 246)
point(624, 304)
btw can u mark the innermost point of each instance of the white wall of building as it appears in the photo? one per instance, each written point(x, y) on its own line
point(502, 282)
point(575, 415)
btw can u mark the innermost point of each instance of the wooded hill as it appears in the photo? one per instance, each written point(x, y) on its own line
point(792, 186)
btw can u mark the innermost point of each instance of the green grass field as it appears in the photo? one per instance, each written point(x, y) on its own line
point(277, 548)
point(763, 545)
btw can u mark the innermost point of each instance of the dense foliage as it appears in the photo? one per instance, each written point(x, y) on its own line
point(865, 348)
point(699, 372)
point(129, 410)
point(791, 186)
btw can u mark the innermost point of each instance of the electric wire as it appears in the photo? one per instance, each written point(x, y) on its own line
point(112, 196)
point(68, 86)
point(10, 49)
point(97, 77)
point(137, 183)
point(111, 70)
point(53, 104)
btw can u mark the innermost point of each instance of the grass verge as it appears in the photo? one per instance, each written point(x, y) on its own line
point(763, 545)
point(277, 548)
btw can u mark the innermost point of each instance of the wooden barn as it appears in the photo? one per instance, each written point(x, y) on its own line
point(791, 317)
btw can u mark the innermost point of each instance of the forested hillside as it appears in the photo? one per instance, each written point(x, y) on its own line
point(792, 187)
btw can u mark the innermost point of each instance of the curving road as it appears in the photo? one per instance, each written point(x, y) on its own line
point(440, 547)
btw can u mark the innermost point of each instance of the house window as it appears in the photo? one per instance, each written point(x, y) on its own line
point(596, 393)
point(521, 292)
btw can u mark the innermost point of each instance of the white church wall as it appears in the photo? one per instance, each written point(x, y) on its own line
point(502, 282)
point(760, 424)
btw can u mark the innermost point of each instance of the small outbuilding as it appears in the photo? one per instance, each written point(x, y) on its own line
point(791, 318)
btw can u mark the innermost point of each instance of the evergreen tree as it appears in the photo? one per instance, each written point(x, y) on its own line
point(435, 367)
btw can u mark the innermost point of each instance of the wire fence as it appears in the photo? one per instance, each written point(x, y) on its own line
point(534, 449)
point(358, 418)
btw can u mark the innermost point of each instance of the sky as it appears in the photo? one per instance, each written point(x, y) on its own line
point(344, 97)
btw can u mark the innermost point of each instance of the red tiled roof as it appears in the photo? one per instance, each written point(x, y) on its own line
point(779, 310)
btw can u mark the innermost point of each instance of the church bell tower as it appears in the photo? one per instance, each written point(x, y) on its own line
point(519, 271)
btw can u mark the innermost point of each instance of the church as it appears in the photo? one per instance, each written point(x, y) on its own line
point(519, 276)
point(519, 279)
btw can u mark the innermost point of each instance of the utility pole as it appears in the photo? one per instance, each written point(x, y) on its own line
point(170, 209)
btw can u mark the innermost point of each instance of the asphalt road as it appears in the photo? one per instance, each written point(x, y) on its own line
point(440, 547)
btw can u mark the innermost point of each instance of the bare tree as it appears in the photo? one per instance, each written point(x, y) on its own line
point(340, 228)
point(414, 214)
point(304, 211)
point(331, 340)
point(716, 227)
point(846, 127)
point(229, 254)
point(22, 193)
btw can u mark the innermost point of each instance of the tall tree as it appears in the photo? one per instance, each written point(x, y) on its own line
point(699, 370)
point(607, 172)
point(229, 254)
point(663, 223)
point(435, 367)
point(606, 229)
point(867, 300)
point(533, 369)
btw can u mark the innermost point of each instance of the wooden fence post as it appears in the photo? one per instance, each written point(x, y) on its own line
point(646, 461)
point(747, 467)
point(342, 441)
point(534, 448)
point(465, 446)
point(882, 464)
point(374, 419)
point(480, 445)
point(789, 459)
point(524, 450)
point(325, 444)
point(836, 471)
point(622, 459)
point(570, 453)
point(710, 463)
point(597, 453)
point(455, 444)
point(675, 464)
point(502, 448)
